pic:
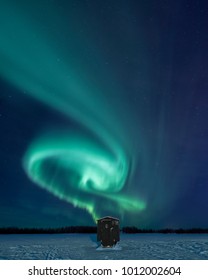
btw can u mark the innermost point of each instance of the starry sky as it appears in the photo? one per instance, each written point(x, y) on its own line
point(103, 111)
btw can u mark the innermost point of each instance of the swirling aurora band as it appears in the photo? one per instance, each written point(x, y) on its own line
point(80, 173)
point(89, 174)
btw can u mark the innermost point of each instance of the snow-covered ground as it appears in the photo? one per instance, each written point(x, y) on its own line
point(83, 246)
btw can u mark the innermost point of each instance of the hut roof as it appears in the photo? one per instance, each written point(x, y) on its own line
point(108, 217)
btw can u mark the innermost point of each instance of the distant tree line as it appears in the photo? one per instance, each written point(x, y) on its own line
point(166, 230)
point(93, 229)
point(70, 229)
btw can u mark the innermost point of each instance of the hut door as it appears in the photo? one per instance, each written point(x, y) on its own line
point(107, 236)
point(111, 239)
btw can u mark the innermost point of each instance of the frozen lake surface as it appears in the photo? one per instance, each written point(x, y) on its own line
point(83, 247)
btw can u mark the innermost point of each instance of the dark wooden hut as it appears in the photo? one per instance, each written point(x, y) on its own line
point(108, 232)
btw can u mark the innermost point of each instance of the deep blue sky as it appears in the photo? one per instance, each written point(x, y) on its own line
point(133, 71)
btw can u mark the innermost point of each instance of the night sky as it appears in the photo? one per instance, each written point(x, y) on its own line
point(104, 111)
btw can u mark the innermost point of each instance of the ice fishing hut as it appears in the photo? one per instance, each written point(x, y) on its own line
point(108, 231)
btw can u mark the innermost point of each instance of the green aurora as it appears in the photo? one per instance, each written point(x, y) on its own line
point(80, 172)
point(90, 171)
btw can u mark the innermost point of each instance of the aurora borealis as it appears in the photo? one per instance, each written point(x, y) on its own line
point(103, 110)
point(79, 172)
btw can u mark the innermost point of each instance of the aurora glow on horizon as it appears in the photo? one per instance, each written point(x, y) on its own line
point(105, 112)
